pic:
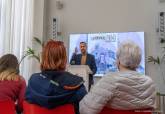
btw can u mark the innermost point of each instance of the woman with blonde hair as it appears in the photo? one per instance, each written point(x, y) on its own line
point(12, 85)
point(123, 90)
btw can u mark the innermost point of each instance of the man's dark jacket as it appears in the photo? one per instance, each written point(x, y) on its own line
point(90, 61)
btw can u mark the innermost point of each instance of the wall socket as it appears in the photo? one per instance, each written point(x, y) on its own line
point(59, 4)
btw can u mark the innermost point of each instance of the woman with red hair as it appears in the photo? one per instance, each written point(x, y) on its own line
point(53, 86)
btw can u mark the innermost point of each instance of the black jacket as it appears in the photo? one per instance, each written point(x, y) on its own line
point(90, 61)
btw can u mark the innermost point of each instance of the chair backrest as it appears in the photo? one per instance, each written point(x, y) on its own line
point(114, 111)
point(36, 109)
point(160, 103)
point(7, 107)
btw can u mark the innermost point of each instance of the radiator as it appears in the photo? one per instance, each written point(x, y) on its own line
point(160, 103)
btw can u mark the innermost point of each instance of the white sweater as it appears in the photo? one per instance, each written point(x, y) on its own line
point(121, 90)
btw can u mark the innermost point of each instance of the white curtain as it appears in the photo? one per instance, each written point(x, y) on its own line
point(16, 30)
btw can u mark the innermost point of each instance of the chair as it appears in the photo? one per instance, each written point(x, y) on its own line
point(160, 104)
point(114, 111)
point(7, 107)
point(36, 109)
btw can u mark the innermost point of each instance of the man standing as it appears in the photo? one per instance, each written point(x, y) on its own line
point(85, 59)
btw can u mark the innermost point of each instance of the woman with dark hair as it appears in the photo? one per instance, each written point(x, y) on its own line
point(11, 83)
point(53, 86)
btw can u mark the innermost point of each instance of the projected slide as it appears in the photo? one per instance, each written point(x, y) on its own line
point(104, 46)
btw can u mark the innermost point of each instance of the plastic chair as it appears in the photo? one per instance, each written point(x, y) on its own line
point(114, 111)
point(7, 107)
point(36, 109)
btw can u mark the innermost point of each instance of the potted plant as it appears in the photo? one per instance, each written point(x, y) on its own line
point(31, 53)
point(159, 59)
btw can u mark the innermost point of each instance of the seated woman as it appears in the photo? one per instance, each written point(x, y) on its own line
point(12, 85)
point(123, 90)
point(53, 86)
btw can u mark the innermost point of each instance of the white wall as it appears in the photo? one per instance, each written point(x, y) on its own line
point(83, 16)
point(39, 29)
point(38, 18)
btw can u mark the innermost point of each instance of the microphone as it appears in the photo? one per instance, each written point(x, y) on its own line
point(73, 62)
